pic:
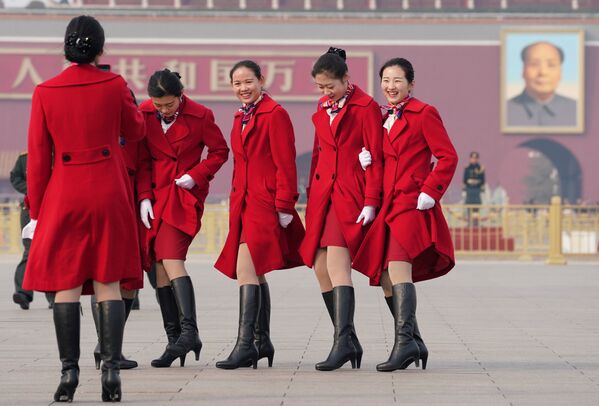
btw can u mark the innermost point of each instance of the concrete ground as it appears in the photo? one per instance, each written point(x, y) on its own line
point(499, 333)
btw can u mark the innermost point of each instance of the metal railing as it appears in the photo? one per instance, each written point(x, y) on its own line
point(548, 231)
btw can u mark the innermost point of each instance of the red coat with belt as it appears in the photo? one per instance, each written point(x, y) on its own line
point(264, 183)
point(177, 152)
point(414, 138)
point(336, 175)
point(77, 182)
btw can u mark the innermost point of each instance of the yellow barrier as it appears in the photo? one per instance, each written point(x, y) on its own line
point(550, 231)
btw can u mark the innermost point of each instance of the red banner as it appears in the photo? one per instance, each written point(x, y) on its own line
point(204, 69)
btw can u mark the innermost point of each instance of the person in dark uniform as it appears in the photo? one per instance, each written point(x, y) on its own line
point(18, 179)
point(474, 183)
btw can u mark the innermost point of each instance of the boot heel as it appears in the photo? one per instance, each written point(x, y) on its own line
point(358, 360)
point(97, 358)
point(111, 394)
point(270, 358)
point(417, 363)
point(255, 363)
point(353, 362)
point(197, 351)
point(182, 360)
point(424, 360)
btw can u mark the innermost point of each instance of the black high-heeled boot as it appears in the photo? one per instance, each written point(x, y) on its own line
point(170, 321)
point(416, 333)
point(67, 323)
point(189, 340)
point(245, 350)
point(405, 350)
point(343, 347)
point(124, 362)
point(112, 324)
point(328, 301)
point(262, 328)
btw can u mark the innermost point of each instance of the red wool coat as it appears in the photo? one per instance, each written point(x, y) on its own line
point(77, 182)
point(336, 175)
point(264, 183)
point(408, 147)
point(170, 156)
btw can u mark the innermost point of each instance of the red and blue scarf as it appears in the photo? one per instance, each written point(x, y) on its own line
point(334, 105)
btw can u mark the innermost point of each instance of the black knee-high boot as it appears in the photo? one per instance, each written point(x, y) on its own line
point(189, 340)
point(343, 347)
point(328, 301)
point(245, 350)
point(416, 334)
point(262, 329)
point(170, 321)
point(67, 323)
point(405, 350)
point(112, 324)
point(124, 362)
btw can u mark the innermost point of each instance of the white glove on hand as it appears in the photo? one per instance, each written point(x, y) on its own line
point(284, 219)
point(365, 158)
point(425, 202)
point(367, 214)
point(146, 213)
point(185, 181)
point(29, 229)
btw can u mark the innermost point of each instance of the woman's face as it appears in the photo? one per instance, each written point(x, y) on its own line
point(331, 87)
point(246, 86)
point(166, 105)
point(394, 84)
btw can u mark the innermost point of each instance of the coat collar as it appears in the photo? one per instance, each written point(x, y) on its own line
point(266, 105)
point(414, 106)
point(79, 74)
point(322, 119)
point(190, 108)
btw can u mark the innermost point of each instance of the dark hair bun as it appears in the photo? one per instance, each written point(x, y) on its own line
point(337, 51)
point(84, 39)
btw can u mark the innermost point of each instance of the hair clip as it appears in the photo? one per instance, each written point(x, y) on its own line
point(337, 51)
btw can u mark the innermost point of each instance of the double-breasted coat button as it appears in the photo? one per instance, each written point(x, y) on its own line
point(105, 152)
point(333, 176)
point(153, 185)
point(335, 149)
point(233, 188)
point(131, 172)
point(66, 157)
point(319, 148)
point(439, 187)
point(317, 176)
point(174, 159)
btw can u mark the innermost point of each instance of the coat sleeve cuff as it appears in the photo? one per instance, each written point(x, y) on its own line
point(145, 195)
point(285, 206)
point(434, 192)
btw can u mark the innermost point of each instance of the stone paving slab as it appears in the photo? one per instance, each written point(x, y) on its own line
point(499, 333)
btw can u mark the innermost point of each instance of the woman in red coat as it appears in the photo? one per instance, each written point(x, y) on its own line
point(265, 231)
point(85, 238)
point(177, 131)
point(409, 241)
point(342, 198)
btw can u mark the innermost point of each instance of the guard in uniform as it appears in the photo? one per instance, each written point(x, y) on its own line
point(474, 185)
point(18, 179)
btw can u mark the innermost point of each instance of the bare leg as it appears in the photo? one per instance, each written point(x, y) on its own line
point(386, 284)
point(246, 272)
point(175, 268)
point(321, 271)
point(400, 272)
point(339, 266)
point(68, 296)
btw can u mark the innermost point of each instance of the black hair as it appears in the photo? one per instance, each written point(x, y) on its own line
point(474, 154)
point(524, 52)
point(165, 83)
point(404, 64)
point(331, 63)
point(83, 39)
point(251, 65)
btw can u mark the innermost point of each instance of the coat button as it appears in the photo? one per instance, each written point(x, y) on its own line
point(439, 187)
point(153, 185)
point(233, 188)
point(335, 149)
point(66, 157)
point(317, 176)
point(131, 172)
point(174, 159)
point(105, 152)
point(319, 148)
point(210, 177)
point(333, 176)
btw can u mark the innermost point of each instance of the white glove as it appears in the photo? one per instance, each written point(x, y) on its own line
point(367, 214)
point(365, 158)
point(29, 229)
point(185, 181)
point(425, 202)
point(146, 213)
point(284, 219)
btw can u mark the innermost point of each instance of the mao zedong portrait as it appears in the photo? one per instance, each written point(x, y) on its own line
point(539, 104)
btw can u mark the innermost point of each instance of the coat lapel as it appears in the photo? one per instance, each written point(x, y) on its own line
point(321, 122)
point(397, 128)
point(157, 137)
point(266, 105)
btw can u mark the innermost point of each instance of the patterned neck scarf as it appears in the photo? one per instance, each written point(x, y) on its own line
point(170, 119)
point(248, 110)
point(334, 105)
point(397, 109)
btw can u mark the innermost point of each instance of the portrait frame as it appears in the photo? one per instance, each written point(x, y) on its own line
point(564, 113)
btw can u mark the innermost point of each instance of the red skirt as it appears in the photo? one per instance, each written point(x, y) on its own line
point(394, 251)
point(331, 231)
point(171, 243)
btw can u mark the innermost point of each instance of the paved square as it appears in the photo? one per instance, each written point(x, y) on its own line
point(499, 333)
